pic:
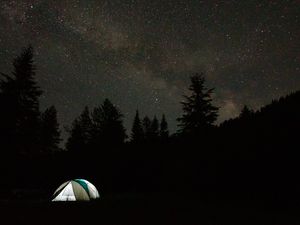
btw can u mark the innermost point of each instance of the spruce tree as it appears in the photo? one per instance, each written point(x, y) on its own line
point(246, 113)
point(20, 105)
point(198, 112)
point(137, 133)
point(80, 133)
point(50, 133)
point(163, 131)
point(147, 128)
point(108, 125)
point(154, 129)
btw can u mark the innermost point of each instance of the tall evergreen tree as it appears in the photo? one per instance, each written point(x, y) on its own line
point(137, 133)
point(198, 112)
point(108, 124)
point(20, 104)
point(80, 133)
point(147, 128)
point(163, 131)
point(154, 129)
point(246, 112)
point(50, 133)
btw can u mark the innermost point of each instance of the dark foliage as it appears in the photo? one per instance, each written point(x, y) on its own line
point(163, 131)
point(246, 113)
point(108, 126)
point(198, 112)
point(20, 113)
point(80, 133)
point(137, 132)
point(147, 128)
point(154, 130)
point(50, 133)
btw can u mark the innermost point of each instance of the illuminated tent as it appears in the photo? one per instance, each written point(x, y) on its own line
point(76, 190)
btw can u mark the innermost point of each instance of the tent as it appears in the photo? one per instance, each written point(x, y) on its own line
point(76, 190)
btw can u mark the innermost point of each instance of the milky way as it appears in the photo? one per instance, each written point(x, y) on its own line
point(140, 54)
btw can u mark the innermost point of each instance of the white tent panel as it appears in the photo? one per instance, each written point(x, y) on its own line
point(66, 194)
point(61, 187)
point(92, 191)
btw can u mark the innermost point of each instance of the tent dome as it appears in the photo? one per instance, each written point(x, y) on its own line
point(76, 190)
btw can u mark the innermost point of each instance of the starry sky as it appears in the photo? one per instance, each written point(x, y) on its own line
point(140, 53)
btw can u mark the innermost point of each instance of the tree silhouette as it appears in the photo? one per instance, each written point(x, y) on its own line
point(199, 113)
point(20, 104)
point(154, 130)
point(163, 131)
point(246, 112)
point(50, 133)
point(80, 133)
point(147, 128)
point(137, 133)
point(108, 125)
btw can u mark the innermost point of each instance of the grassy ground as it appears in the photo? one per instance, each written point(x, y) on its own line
point(145, 210)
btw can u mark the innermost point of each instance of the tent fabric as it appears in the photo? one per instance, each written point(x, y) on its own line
point(58, 190)
point(83, 184)
point(66, 194)
point(92, 190)
point(76, 190)
point(79, 191)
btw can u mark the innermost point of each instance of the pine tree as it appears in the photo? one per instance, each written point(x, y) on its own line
point(199, 113)
point(50, 133)
point(80, 133)
point(108, 125)
point(246, 112)
point(137, 133)
point(154, 130)
point(20, 104)
point(147, 128)
point(163, 131)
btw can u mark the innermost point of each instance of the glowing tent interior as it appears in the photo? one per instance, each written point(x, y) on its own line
point(76, 190)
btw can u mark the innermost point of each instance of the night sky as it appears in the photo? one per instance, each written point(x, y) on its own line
point(140, 54)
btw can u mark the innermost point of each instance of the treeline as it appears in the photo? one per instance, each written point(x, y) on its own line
point(26, 130)
point(103, 126)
